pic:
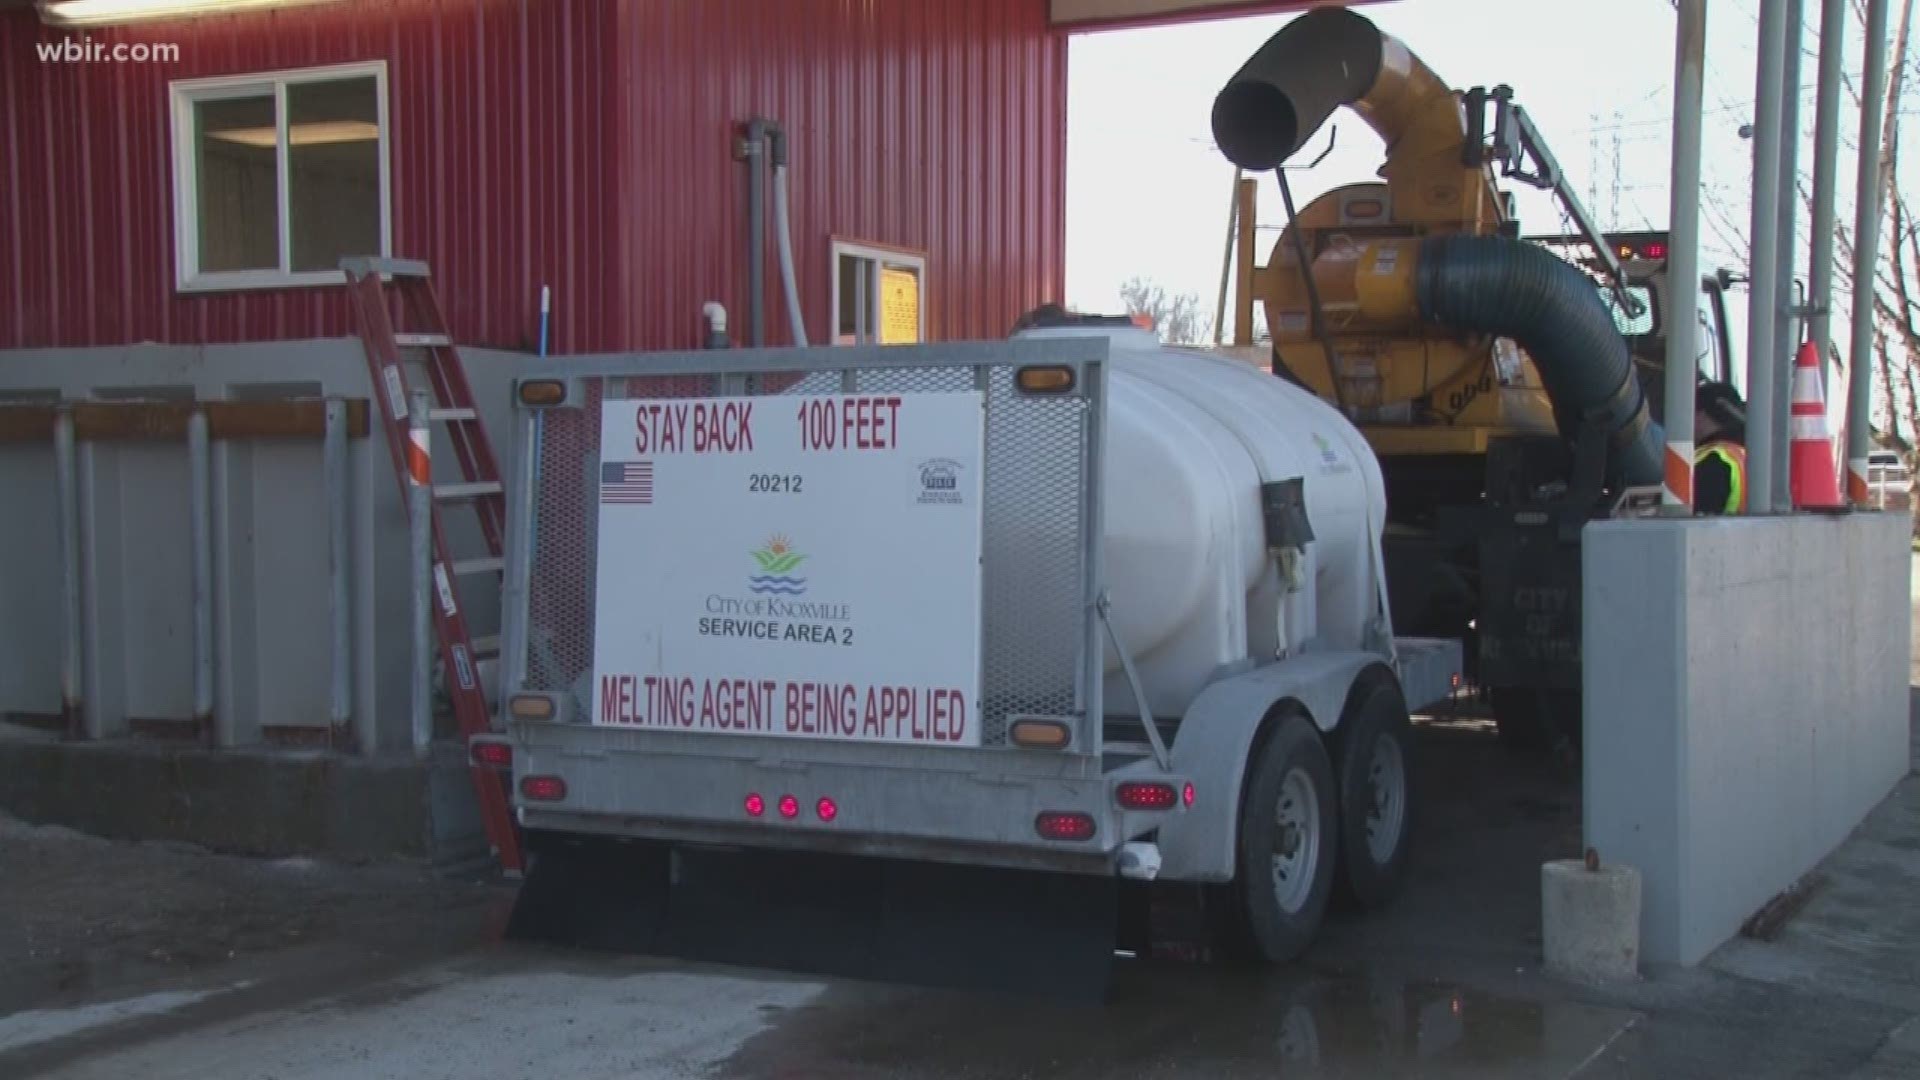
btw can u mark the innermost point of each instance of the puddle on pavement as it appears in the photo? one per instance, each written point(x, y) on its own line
point(1186, 1020)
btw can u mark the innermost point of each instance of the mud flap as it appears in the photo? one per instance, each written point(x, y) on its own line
point(929, 924)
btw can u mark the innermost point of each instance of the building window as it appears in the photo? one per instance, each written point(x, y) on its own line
point(279, 175)
point(878, 295)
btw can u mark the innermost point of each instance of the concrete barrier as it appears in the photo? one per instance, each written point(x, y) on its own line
point(269, 538)
point(1746, 705)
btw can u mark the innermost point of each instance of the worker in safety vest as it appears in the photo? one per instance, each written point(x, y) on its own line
point(1720, 460)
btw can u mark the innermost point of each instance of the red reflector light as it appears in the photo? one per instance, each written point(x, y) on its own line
point(492, 754)
point(1146, 795)
point(756, 805)
point(1186, 794)
point(826, 808)
point(543, 788)
point(789, 806)
point(1062, 825)
point(1654, 251)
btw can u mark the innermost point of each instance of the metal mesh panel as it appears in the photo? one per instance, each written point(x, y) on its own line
point(1035, 473)
point(560, 585)
point(1032, 608)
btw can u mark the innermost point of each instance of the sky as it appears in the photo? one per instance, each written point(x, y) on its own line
point(1148, 194)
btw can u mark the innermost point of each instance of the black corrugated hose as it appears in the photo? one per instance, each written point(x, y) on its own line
point(1493, 285)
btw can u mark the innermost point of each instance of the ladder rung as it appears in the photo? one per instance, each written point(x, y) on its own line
point(486, 564)
point(361, 266)
point(474, 490)
point(422, 341)
point(1122, 746)
point(486, 645)
point(453, 414)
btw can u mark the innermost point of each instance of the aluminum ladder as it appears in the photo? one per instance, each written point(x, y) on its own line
point(411, 302)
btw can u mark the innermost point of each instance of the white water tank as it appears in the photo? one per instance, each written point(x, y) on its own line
point(1195, 592)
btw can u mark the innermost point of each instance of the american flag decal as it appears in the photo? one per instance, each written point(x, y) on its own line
point(626, 482)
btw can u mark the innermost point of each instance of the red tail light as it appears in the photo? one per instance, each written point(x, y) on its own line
point(1146, 795)
point(789, 806)
point(756, 805)
point(543, 788)
point(1186, 794)
point(826, 808)
point(494, 755)
point(1063, 825)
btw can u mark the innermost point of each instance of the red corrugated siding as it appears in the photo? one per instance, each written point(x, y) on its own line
point(581, 144)
point(483, 96)
point(929, 125)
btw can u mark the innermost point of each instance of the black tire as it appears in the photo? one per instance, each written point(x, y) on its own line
point(1253, 922)
point(1535, 721)
point(1376, 794)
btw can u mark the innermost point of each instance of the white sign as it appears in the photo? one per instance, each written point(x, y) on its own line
point(803, 566)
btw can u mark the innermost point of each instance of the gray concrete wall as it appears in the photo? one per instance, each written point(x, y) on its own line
point(1745, 705)
point(270, 557)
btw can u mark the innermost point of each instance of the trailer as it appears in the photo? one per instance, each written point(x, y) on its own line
point(901, 662)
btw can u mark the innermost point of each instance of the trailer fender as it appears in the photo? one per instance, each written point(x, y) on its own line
point(1216, 740)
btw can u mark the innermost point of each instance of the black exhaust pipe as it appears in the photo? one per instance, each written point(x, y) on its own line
point(1493, 285)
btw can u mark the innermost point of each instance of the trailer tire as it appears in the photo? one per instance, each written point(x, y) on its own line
point(1376, 794)
point(1286, 846)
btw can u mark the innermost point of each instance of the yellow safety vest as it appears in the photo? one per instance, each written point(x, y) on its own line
point(1735, 457)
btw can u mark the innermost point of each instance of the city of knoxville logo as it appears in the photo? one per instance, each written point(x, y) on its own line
point(778, 561)
point(940, 482)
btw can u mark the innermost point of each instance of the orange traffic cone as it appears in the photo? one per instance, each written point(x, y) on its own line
point(1812, 478)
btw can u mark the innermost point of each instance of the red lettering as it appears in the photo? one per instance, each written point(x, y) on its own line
point(957, 714)
point(870, 728)
point(745, 432)
point(921, 731)
point(706, 703)
point(609, 699)
point(874, 722)
point(793, 707)
point(893, 422)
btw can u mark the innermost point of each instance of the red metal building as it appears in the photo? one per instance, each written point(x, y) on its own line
point(584, 145)
point(581, 144)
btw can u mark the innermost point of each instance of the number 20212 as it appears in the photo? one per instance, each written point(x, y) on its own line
point(774, 483)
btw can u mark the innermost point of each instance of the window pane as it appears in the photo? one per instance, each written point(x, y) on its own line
point(848, 318)
point(239, 196)
point(334, 165)
point(1629, 324)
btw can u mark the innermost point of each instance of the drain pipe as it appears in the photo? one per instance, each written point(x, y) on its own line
point(752, 150)
point(783, 225)
point(715, 315)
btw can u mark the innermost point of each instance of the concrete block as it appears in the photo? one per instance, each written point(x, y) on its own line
point(1745, 702)
point(251, 802)
point(271, 663)
point(1590, 920)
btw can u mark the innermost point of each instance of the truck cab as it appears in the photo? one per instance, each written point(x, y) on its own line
point(1644, 325)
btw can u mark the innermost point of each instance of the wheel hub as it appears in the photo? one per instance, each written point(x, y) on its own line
point(1296, 840)
point(1387, 798)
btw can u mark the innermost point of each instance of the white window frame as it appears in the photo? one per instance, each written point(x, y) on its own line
point(184, 95)
point(878, 254)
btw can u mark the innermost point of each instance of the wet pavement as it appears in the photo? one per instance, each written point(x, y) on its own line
point(194, 965)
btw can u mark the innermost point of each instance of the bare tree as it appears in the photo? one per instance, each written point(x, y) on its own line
point(1178, 319)
point(1896, 283)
